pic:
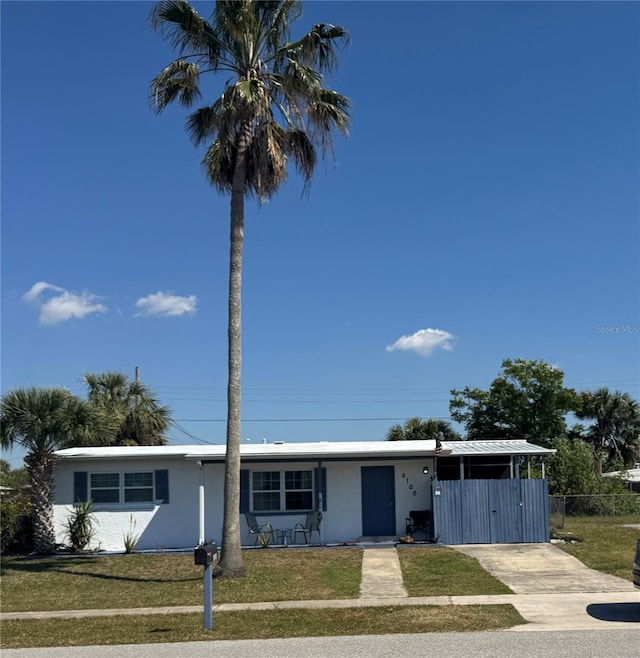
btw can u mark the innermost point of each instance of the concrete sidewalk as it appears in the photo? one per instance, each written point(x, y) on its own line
point(553, 609)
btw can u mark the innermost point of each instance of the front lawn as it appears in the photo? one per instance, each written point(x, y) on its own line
point(440, 571)
point(152, 580)
point(602, 543)
point(252, 624)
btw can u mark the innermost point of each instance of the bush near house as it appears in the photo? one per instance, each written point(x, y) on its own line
point(16, 529)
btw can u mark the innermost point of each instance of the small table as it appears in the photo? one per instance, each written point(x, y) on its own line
point(283, 535)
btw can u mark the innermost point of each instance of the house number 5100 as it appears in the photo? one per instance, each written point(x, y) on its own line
point(411, 488)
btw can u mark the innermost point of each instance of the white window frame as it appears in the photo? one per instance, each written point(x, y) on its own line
point(122, 488)
point(282, 491)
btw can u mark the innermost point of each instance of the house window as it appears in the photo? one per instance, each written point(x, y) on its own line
point(105, 487)
point(138, 487)
point(130, 488)
point(269, 494)
point(266, 491)
point(298, 493)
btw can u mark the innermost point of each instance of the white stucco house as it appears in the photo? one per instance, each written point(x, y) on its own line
point(631, 477)
point(172, 496)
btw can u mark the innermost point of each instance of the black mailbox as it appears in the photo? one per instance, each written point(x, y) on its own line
point(205, 554)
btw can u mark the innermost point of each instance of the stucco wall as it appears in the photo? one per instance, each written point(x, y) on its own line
point(173, 525)
point(176, 524)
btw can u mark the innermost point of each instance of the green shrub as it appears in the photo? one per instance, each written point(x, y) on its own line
point(80, 530)
point(16, 528)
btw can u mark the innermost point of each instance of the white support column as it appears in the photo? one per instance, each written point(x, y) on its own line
point(201, 505)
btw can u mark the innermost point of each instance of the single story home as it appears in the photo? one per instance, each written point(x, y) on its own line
point(631, 477)
point(172, 496)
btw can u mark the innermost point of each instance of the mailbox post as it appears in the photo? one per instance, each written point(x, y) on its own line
point(204, 555)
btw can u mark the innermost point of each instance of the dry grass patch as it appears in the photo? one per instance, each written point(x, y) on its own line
point(149, 580)
point(603, 543)
point(436, 571)
point(257, 625)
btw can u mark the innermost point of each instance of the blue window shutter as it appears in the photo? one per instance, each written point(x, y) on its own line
point(162, 486)
point(245, 491)
point(320, 485)
point(80, 486)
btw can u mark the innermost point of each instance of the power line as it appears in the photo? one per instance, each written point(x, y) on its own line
point(301, 420)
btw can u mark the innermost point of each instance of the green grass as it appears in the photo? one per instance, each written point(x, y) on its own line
point(133, 581)
point(602, 542)
point(432, 571)
point(257, 625)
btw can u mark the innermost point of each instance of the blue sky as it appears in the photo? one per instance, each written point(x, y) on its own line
point(485, 206)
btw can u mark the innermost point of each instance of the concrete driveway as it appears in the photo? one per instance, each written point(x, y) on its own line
point(541, 568)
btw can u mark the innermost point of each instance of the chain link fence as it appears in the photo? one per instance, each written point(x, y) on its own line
point(592, 505)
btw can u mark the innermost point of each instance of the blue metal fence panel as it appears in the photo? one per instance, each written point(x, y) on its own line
point(476, 521)
point(491, 511)
point(535, 502)
point(447, 511)
point(506, 511)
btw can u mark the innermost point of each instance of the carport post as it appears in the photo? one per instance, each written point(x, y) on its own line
point(201, 506)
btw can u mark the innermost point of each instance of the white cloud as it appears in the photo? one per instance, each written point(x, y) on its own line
point(37, 288)
point(62, 305)
point(166, 304)
point(424, 342)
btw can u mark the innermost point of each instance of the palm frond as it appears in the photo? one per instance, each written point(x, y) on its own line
point(267, 161)
point(275, 18)
point(301, 149)
point(219, 164)
point(202, 124)
point(299, 80)
point(328, 112)
point(178, 81)
point(316, 48)
point(187, 32)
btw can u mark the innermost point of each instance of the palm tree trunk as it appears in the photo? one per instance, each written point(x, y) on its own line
point(40, 466)
point(231, 564)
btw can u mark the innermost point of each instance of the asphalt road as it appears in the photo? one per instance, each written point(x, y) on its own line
point(543, 644)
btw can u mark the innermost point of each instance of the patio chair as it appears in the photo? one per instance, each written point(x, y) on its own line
point(419, 521)
point(311, 525)
point(256, 529)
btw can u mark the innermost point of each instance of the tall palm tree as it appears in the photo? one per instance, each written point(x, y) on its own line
point(43, 420)
point(616, 431)
point(271, 110)
point(138, 417)
point(426, 430)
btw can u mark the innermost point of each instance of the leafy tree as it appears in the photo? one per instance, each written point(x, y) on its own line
point(572, 469)
point(615, 434)
point(138, 418)
point(527, 400)
point(12, 477)
point(429, 430)
point(43, 420)
point(272, 110)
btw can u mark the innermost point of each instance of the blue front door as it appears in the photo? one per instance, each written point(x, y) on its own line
point(378, 501)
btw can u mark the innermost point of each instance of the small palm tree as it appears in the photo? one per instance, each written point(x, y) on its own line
point(44, 420)
point(616, 430)
point(426, 430)
point(137, 415)
point(271, 110)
